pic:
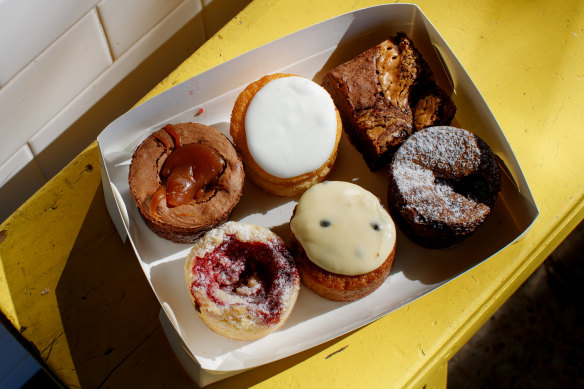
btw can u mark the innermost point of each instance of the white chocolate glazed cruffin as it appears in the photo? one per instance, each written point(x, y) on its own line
point(242, 280)
point(343, 240)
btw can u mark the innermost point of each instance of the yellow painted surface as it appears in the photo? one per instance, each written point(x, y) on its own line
point(35, 245)
point(526, 58)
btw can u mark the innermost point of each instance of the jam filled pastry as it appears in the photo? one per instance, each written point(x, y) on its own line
point(242, 280)
point(443, 183)
point(287, 130)
point(343, 240)
point(185, 179)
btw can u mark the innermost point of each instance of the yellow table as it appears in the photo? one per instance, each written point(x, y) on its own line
point(79, 301)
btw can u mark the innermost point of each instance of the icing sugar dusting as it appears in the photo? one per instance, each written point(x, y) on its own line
point(242, 273)
point(425, 167)
point(244, 232)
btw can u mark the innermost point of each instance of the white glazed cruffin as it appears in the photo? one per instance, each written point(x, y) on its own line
point(242, 280)
point(343, 240)
point(275, 183)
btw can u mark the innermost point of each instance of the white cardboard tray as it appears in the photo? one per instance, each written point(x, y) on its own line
point(311, 53)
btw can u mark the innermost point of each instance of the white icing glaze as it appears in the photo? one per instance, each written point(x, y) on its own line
point(360, 234)
point(291, 126)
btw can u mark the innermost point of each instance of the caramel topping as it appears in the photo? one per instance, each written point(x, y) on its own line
point(398, 71)
point(426, 111)
point(157, 197)
point(175, 137)
point(388, 68)
point(187, 171)
point(163, 141)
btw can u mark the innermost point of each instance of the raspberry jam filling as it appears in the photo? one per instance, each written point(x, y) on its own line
point(256, 275)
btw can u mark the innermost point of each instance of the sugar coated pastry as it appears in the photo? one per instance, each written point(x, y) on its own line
point(185, 179)
point(443, 183)
point(242, 280)
point(287, 130)
point(384, 95)
point(343, 240)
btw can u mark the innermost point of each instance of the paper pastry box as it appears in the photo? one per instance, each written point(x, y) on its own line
point(310, 53)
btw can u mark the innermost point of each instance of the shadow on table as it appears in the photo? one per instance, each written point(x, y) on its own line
point(110, 316)
point(108, 310)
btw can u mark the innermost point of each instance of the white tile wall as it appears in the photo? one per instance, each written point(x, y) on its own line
point(83, 49)
point(51, 81)
point(12, 166)
point(21, 184)
point(27, 27)
point(126, 21)
point(123, 65)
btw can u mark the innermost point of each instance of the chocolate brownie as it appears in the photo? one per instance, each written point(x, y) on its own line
point(385, 94)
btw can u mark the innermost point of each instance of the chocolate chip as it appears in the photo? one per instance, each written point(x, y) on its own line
point(325, 223)
point(375, 226)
